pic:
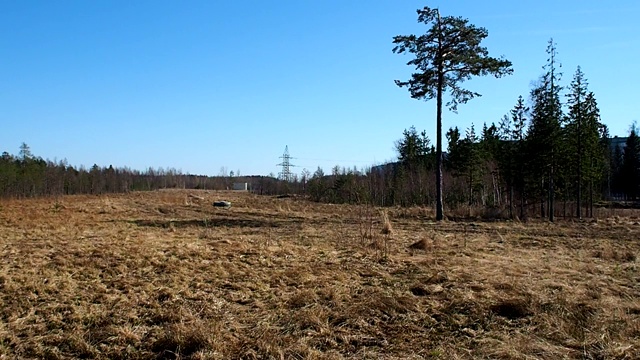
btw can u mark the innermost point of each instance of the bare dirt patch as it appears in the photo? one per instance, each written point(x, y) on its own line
point(157, 275)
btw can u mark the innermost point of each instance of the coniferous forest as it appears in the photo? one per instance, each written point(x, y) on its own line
point(550, 155)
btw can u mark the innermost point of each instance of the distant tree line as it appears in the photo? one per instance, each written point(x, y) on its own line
point(503, 168)
point(26, 175)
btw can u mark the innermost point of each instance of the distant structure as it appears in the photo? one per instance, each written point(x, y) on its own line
point(285, 174)
point(620, 142)
point(240, 186)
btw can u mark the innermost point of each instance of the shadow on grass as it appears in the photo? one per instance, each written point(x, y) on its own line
point(227, 222)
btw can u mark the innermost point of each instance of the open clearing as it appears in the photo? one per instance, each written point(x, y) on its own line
point(156, 275)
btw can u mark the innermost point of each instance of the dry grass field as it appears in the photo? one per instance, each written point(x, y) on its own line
point(162, 275)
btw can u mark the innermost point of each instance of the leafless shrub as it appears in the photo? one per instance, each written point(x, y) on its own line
point(366, 220)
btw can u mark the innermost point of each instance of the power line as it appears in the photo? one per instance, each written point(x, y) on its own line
point(334, 160)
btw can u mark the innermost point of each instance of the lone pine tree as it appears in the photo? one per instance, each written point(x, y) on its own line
point(445, 56)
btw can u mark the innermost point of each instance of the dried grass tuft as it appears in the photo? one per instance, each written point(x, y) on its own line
point(421, 244)
point(387, 229)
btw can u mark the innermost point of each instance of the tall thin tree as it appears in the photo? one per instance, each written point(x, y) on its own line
point(594, 144)
point(544, 131)
point(445, 56)
point(576, 102)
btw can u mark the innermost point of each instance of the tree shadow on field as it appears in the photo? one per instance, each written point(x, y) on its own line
point(216, 222)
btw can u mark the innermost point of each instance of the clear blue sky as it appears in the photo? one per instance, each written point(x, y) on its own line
point(200, 85)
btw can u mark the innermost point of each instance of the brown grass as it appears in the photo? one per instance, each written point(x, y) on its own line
point(151, 275)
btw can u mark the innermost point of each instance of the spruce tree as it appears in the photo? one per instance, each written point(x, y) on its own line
point(631, 165)
point(511, 154)
point(594, 146)
point(506, 158)
point(575, 129)
point(472, 162)
point(490, 153)
point(518, 135)
point(607, 152)
point(617, 161)
point(543, 135)
point(413, 148)
point(585, 145)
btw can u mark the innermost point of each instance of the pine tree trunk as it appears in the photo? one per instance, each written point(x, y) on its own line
point(439, 203)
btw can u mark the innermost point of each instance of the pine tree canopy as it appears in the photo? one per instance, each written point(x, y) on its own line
point(450, 46)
